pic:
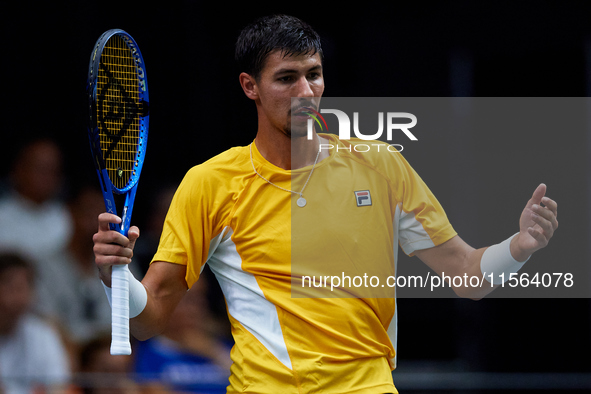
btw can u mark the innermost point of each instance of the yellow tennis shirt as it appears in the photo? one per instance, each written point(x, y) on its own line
point(292, 336)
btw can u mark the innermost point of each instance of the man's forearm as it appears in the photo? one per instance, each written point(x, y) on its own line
point(165, 286)
point(494, 265)
point(151, 321)
point(471, 268)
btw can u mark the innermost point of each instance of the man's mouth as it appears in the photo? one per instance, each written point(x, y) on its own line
point(303, 112)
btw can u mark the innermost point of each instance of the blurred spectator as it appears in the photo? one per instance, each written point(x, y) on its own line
point(192, 354)
point(31, 351)
point(103, 373)
point(32, 220)
point(72, 292)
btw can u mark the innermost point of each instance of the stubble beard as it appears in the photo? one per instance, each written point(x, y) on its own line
point(297, 130)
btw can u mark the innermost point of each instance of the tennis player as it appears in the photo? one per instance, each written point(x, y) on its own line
point(234, 212)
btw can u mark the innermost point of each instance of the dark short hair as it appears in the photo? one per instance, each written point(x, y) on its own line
point(286, 33)
point(11, 259)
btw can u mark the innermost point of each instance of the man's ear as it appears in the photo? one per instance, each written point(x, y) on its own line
point(249, 86)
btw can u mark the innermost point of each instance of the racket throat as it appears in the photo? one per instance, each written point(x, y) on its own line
point(123, 219)
point(127, 209)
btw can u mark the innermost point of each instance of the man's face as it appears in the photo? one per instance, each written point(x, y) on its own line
point(283, 78)
point(16, 295)
point(38, 172)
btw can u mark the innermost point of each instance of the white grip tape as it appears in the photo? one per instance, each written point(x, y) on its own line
point(497, 260)
point(128, 298)
point(120, 311)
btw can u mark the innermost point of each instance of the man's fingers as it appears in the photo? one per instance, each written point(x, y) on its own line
point(107, 261)
point(102, 249)
point(539, 193)
point(105, 219)
point(545, 225)
point(107, 255)
point(546, 213)
point(551, 205)
point(112, 247)
point(133, 234)
point(111, 237)
point(537, 234)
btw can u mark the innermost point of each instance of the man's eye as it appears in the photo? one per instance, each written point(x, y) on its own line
point(285, 79)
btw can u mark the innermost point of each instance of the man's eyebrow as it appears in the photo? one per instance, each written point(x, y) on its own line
point(294, 71)
point(285, 71)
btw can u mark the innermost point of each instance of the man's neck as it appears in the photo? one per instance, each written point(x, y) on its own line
point(289, 153)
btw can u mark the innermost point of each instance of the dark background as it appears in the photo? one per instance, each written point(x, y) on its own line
point(405, 49)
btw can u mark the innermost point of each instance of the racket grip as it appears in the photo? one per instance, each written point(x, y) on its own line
point(120, 344)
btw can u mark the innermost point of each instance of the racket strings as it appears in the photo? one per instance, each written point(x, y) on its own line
point(118, 111)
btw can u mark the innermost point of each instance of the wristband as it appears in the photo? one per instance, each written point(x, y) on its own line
point(138, 296)
point(498, 261)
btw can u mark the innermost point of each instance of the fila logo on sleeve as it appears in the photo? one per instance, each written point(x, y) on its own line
point(363, 198)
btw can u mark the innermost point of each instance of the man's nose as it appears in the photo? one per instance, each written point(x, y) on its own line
point(303, 88)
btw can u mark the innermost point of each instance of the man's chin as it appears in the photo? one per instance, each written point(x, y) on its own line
point(297, 129)
point(297, 133)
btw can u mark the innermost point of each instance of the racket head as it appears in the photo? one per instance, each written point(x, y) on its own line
point(118, 102)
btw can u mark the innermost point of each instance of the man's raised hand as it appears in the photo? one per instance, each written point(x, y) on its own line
point(111, 247)
point(537, 225)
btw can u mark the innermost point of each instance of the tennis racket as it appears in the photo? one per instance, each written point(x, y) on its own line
point(118, 131)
